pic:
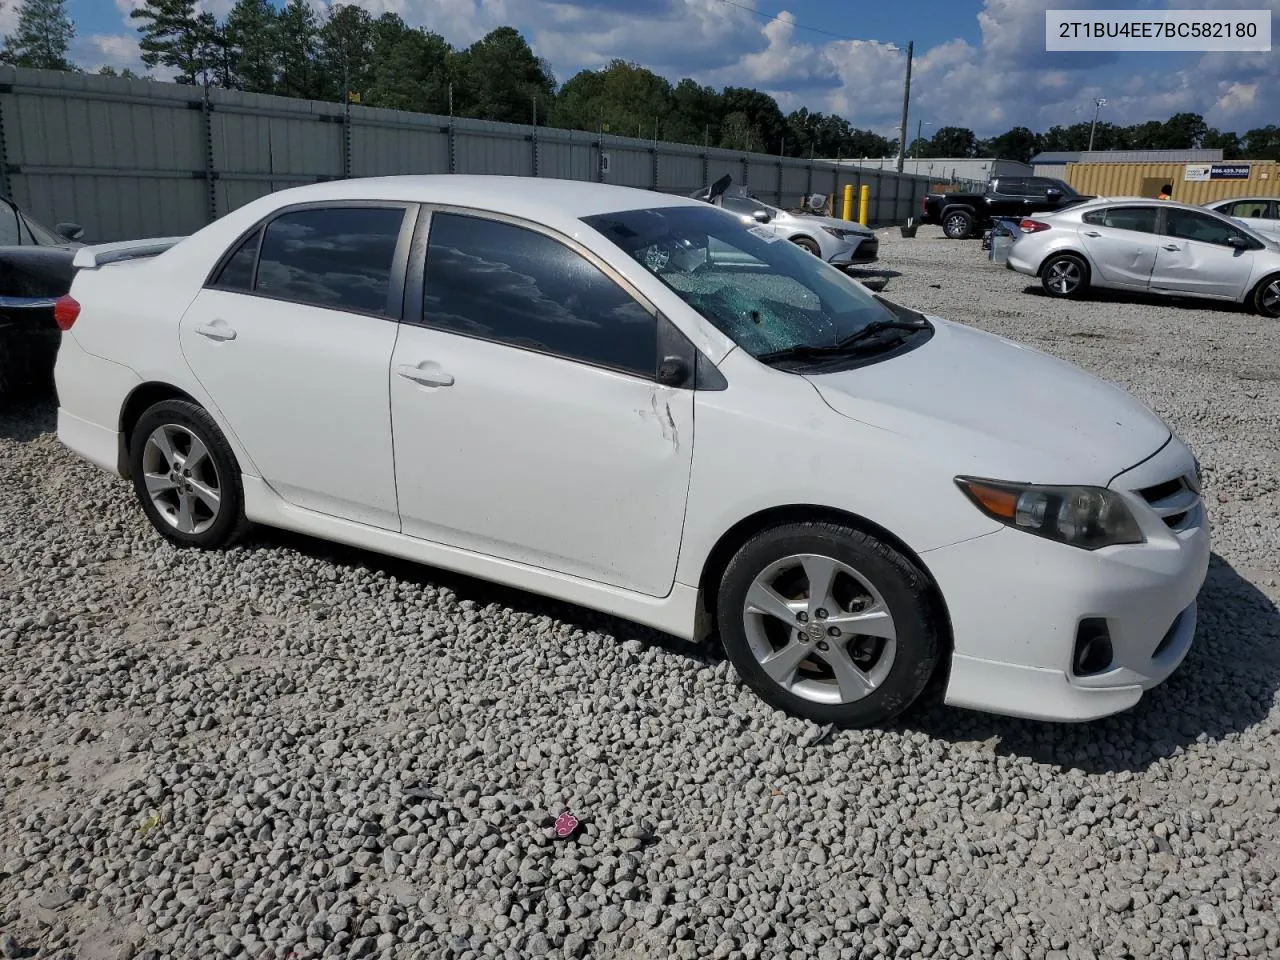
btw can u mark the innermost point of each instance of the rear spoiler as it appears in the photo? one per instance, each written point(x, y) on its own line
point(98, 255)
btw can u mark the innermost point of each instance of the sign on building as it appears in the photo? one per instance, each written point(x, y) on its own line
point(1216, 171)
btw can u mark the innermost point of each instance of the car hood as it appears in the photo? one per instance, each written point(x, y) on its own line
point(849, 225)
point(994, 408)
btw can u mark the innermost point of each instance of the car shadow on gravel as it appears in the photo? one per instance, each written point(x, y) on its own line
point(1099, 295)
point(24, 419)
point(1226, 685)
point(483, 592)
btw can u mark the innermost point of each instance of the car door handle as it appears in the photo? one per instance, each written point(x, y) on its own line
point(1092, 233)
point(1172, 246)
point(424, 376)
point(218, 330)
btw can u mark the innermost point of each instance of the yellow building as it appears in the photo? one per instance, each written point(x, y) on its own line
point(1196, 183)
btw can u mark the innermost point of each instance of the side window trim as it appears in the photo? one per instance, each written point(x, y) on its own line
point(397, 286)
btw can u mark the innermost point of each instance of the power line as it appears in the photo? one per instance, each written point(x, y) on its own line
point(798, 26)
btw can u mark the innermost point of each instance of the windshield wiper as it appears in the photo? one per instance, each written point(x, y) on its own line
point(850, 344)
point(878, 327)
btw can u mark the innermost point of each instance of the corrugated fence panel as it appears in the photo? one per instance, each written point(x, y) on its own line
point(381, 147)
point(130, 158)
point(681, 173)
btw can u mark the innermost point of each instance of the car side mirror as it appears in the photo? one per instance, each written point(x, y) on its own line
point(70, 231)
point(1240, 243)
point(1053, 193)
point(673, 372)
point(761, 216)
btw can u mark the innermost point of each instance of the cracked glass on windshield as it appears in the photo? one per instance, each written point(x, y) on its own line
point(766, 294)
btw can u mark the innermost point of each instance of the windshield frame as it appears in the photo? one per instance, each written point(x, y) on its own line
point(833, 307)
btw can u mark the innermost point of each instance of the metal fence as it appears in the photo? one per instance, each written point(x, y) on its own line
point(135, 158)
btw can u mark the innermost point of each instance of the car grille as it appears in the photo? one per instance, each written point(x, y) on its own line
point(1176, 502)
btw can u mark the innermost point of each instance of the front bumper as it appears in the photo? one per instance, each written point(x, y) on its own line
point(857, 252)
point(1017, 603)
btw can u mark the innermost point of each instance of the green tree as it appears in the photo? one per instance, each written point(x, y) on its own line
point(695, 114)
point(297, 42)
point(499, 78)
point(347, 51)
point(42, 38)
point(214, 55)
point(250, 33)
point(762, 123)
point(1262, 143)
point(1226, 141)
point(171, 36)
point(411, 71)
point(1019, 143)
point(949, 142)
point(624, 97)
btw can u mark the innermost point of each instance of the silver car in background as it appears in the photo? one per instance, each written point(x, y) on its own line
point(1257, 213)
point(842, 243)
point(1150, 246)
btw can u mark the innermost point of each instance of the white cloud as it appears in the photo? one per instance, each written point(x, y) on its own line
point(1002, 79)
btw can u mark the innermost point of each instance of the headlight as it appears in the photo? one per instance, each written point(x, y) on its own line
point(1087, 517)
point(842, 234)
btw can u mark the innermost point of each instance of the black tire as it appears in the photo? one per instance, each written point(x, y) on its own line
point(906, 593)
point(1266, 297)
point(1065, 276)
point(221, 474)
point(958, 224)
point(804, 243)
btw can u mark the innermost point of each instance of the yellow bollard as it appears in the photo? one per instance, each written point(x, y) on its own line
point(848, 201)
point(864, 204)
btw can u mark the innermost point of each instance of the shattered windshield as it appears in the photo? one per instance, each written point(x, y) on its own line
point(769, 296)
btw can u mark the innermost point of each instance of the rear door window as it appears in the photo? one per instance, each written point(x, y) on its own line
point(336, 257)
point(1140, 219)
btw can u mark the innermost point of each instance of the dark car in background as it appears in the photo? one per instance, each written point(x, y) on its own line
point(964, 215)
point(35, 269)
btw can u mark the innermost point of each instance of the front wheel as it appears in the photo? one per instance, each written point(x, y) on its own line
point(827, 623)
point(804, 243)
point(186, 476)
point(1266, 297)
point(1065, 276)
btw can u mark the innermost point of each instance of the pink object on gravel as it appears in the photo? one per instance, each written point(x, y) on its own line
point(566, 823)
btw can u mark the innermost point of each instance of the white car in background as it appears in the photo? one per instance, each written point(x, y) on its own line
point(563, 387)
point(842, 243)
point(1149, 246)
point(1257, 213)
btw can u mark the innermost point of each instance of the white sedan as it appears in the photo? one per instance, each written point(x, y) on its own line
point(571, 388)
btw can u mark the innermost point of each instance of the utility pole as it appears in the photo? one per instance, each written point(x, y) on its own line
point(1098, 104)
point(906, 100)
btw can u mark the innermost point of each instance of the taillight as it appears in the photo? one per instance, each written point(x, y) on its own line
point(65, 311)
point(1033, 226)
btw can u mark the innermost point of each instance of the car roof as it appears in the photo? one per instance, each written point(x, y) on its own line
point(534, 198)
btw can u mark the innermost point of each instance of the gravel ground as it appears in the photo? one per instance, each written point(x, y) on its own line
point(295, 750)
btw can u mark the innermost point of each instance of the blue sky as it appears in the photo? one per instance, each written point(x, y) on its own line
point(978, 63)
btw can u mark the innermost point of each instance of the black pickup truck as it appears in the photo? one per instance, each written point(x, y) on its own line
point(968, 214)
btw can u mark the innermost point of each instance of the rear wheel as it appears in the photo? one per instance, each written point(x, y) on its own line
point(804, 243)
point(1266, 297)
point(1065, 276)
point(186, 476)
point(827, 623)
point(958, 224)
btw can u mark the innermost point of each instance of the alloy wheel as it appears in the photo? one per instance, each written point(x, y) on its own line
point(820, 629)
point(181, 478)
point(1270, 298)
point(1063, 276)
